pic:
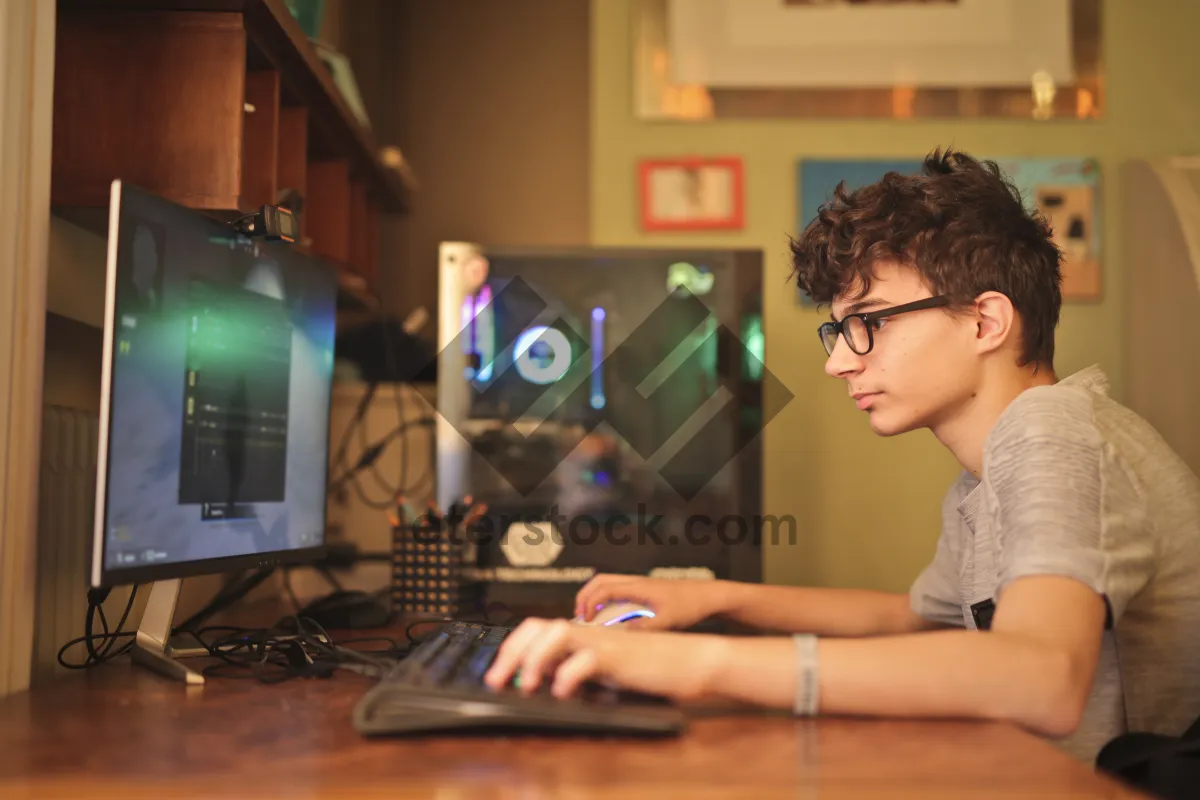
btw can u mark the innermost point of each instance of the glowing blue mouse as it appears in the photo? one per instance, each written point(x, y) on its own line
point(618, 613)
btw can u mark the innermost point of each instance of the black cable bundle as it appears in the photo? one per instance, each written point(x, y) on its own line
point(294, 647)
point(396, 343)
point(96, 598)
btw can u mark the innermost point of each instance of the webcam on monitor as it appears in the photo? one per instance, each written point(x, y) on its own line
point(274, 223)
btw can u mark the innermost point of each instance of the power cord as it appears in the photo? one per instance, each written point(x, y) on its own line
point(294, 647)
point(370, 453)
point(106, 645)
point(96, 598)
point(227, 596)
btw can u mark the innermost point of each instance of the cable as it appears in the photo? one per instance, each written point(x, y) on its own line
point(367, 463)
point(359, 413)
point(100, 645)
point(371, 454)
point(294, 647)
point(390, 357)
point(96, 598)
point(121, 624)
point(291, 593)
point(226, 597)
point(368, 460)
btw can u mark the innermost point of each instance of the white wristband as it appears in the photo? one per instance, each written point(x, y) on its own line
point(807, 689)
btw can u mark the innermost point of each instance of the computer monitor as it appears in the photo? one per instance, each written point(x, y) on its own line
point(214, 406)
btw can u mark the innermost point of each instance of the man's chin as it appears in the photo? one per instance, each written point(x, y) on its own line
point(882, 425)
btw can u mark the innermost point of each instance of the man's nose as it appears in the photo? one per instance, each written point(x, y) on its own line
point(843, 361)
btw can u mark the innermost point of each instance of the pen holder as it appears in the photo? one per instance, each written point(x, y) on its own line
point(426, 571)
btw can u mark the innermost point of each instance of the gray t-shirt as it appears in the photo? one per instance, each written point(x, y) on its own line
point(1075, 484)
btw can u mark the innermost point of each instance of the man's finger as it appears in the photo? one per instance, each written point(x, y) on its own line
point(509, 656)
point(579, 667)
point(583, 596)
point(551, 647)
point(603, 594)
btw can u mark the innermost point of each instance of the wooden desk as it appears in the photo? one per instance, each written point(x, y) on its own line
point(121, 731)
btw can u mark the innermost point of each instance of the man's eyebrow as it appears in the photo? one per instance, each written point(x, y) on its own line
point(854, 308)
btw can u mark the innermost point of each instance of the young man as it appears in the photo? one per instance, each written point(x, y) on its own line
point(1064, 593)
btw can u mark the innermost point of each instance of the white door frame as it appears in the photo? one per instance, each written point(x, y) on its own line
point(26, 117)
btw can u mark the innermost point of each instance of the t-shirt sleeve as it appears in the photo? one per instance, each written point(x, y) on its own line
point(935, 594)
point(1065, 507)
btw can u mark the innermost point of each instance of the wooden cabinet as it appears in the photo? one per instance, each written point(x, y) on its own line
point(219, 105)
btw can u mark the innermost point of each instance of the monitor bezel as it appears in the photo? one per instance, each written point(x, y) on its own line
point(103, 576)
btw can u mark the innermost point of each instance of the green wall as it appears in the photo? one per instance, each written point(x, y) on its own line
point(869, 508)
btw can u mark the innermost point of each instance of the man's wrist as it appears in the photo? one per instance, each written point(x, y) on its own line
point(726, 598)
point(715, 662)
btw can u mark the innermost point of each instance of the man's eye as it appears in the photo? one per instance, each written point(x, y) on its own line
point(876, 324)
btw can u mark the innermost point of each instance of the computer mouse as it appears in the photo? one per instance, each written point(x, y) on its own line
point(617, 613)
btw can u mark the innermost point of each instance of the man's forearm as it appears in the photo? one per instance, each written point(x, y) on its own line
point(826, 612)
point(951, 674)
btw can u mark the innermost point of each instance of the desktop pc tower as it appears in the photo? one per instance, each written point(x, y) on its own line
point(605, 405)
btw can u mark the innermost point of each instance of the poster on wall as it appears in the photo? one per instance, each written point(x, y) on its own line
point(691, 194)
point(817, 178)
point(1065, 190)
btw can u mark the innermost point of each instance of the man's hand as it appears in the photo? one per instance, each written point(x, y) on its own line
point(785, 609)
point(680, 666)
point(676, 603)
point(1035, 667)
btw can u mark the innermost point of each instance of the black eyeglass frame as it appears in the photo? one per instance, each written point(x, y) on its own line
point(838, 328)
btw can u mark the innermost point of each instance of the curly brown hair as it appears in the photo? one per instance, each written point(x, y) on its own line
point(960, 223)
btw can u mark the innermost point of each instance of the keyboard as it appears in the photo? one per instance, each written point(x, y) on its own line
point(439, 687)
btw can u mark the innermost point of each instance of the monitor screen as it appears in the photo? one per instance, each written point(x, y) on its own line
point(214, 427)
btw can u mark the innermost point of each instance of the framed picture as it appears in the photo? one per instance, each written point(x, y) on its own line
point(1066, 190)
point(817, 178)
point(700, 60)
point(691, 194)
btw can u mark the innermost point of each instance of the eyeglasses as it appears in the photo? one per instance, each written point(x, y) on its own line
point(859, 329)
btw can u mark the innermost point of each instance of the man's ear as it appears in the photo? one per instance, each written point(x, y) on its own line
point(995, 319)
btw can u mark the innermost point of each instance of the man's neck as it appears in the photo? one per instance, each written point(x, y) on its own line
point(965, 432)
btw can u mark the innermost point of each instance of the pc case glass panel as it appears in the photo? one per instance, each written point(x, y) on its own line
point(600, 391)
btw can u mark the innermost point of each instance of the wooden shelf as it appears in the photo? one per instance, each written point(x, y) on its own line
point(121, 111)
point(292, 153)
point(218, 105)
point(274, 41)
point(327, 210)
point(261, 139)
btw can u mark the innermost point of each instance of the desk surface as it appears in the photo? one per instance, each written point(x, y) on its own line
point(121, 731)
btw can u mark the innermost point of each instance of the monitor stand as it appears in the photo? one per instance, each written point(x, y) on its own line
point(153, 648)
